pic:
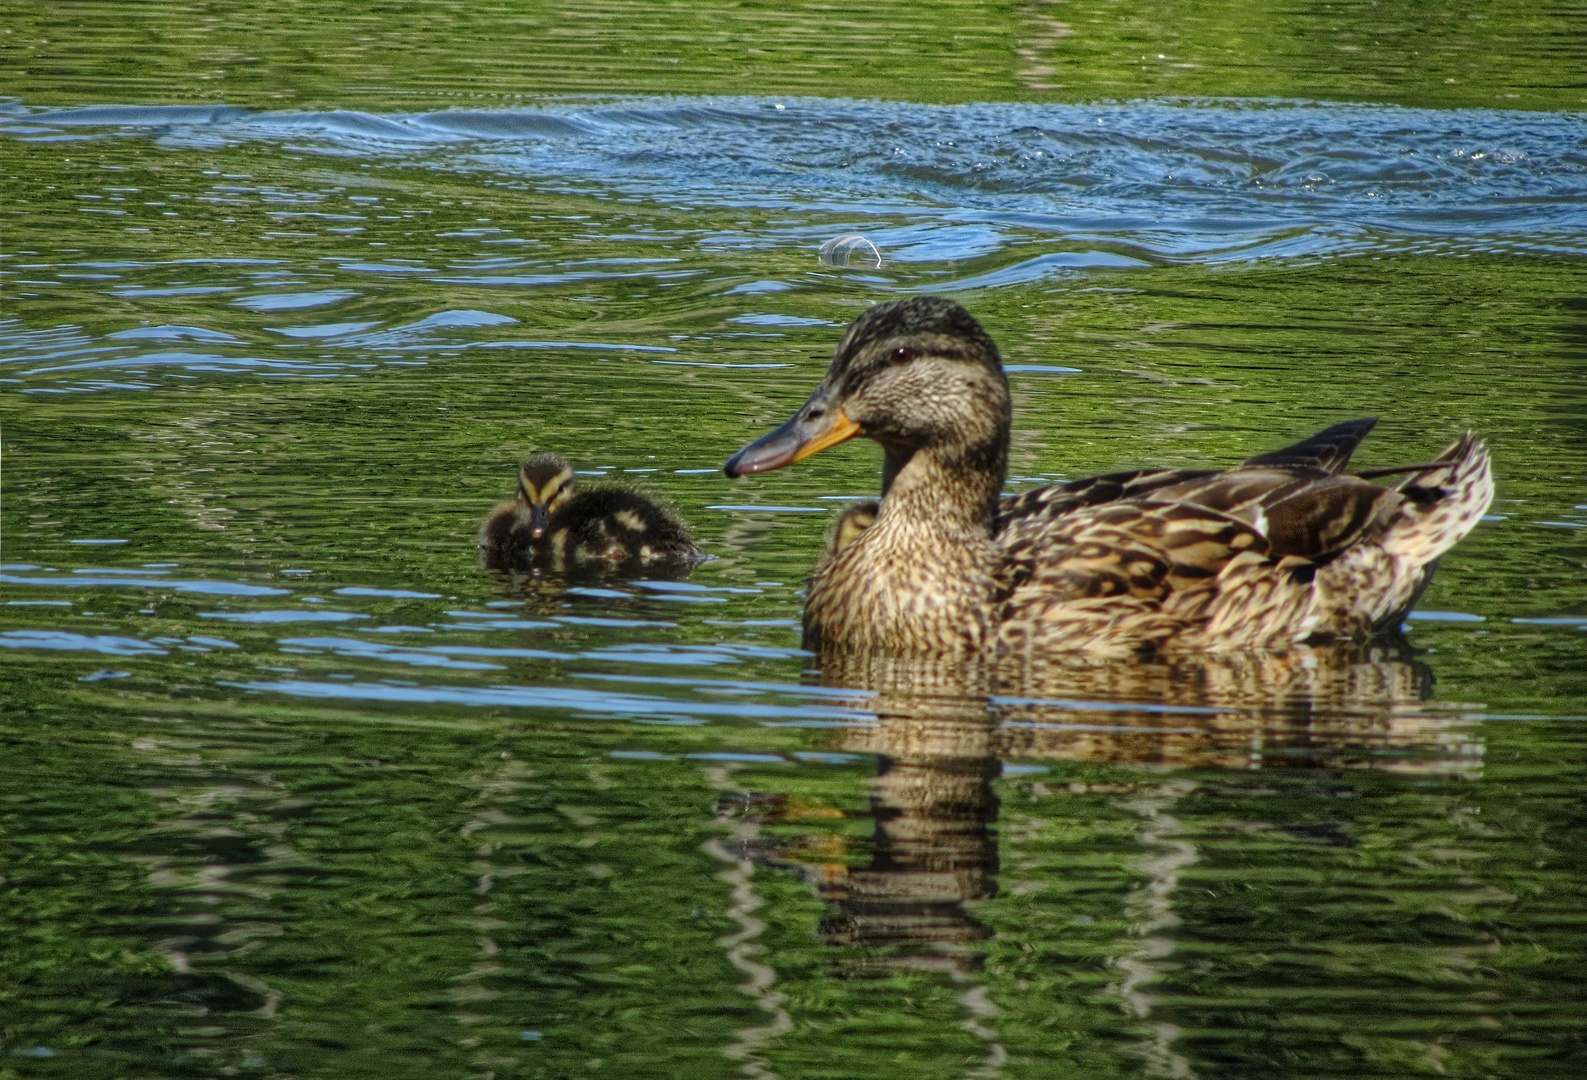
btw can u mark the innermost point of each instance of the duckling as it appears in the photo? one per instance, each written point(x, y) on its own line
point(1279, 551)
point(550, 526)
point(855, 519)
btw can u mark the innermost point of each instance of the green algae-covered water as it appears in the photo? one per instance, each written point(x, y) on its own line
point(290, 787)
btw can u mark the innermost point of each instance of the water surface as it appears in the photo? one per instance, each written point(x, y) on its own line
point(292, 787)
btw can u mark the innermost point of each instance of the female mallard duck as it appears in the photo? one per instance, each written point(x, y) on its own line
point(550, 526)
point(1281, 550)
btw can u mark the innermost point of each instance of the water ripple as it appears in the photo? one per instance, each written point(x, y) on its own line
point(1179, 179)
point(603, 702)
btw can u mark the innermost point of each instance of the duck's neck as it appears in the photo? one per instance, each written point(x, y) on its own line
point(920, 579)
point(949, 490)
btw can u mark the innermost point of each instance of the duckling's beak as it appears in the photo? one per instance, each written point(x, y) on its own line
point(819, 424)
point(539, 519)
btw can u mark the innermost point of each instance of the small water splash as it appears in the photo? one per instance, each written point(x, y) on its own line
point(850, 250)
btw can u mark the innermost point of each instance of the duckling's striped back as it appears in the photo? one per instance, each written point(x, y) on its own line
point(612, 525)
point(552, 526)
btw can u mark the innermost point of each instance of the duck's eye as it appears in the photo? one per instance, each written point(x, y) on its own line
point(901, 355)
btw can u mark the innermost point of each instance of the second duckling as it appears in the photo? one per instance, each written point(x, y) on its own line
point(851, 524)
point(551, 526)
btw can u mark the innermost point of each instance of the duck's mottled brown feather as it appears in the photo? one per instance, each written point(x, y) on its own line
point(1251, 558)
point(1056, 500)
point(1324, 454)
point(847, 529)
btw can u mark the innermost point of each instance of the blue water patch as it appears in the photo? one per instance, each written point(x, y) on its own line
point(325, 330)
point(62, 640)
point(1178, 179)
point(552, 697)
point(293, 301)
point(190, 361)
point(206, 588)
point(603, 346)
point(271, 617)
point(692, 587)
point(950, 198)
point(778, 320)
point(435, 657)
point(170, 333)
point(399, 594)
point(212, 642)
point(1443, 616)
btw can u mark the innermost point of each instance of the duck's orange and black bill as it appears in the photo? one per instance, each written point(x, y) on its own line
point(813, 428)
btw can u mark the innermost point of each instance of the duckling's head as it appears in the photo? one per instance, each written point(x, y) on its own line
point(545, 483)
point(910, 374)
point(854, 520)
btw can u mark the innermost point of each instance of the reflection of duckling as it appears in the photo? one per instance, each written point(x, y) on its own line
point(550, 526)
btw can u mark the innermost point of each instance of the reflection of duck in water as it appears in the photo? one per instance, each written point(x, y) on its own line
point(550, 526)
point(1324, 707)
point(1280, 550)
point(933, 848)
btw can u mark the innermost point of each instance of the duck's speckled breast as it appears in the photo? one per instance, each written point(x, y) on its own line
point(893, 590)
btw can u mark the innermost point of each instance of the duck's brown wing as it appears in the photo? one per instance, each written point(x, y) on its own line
point(1057, 500)
point(1276, 550)
point(1292, 514)
point(1301, 512)
point(1142, 548)
point(1117, 577)
point(1326, 453)
point(1147, 571)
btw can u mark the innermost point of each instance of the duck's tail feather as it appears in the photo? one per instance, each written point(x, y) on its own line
point(1328, 450)
point(1372, 586)
point(1442, 503)
point(1396, 470)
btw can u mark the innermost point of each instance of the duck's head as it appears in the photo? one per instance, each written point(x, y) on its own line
point(910, 374)
point(545, 483)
